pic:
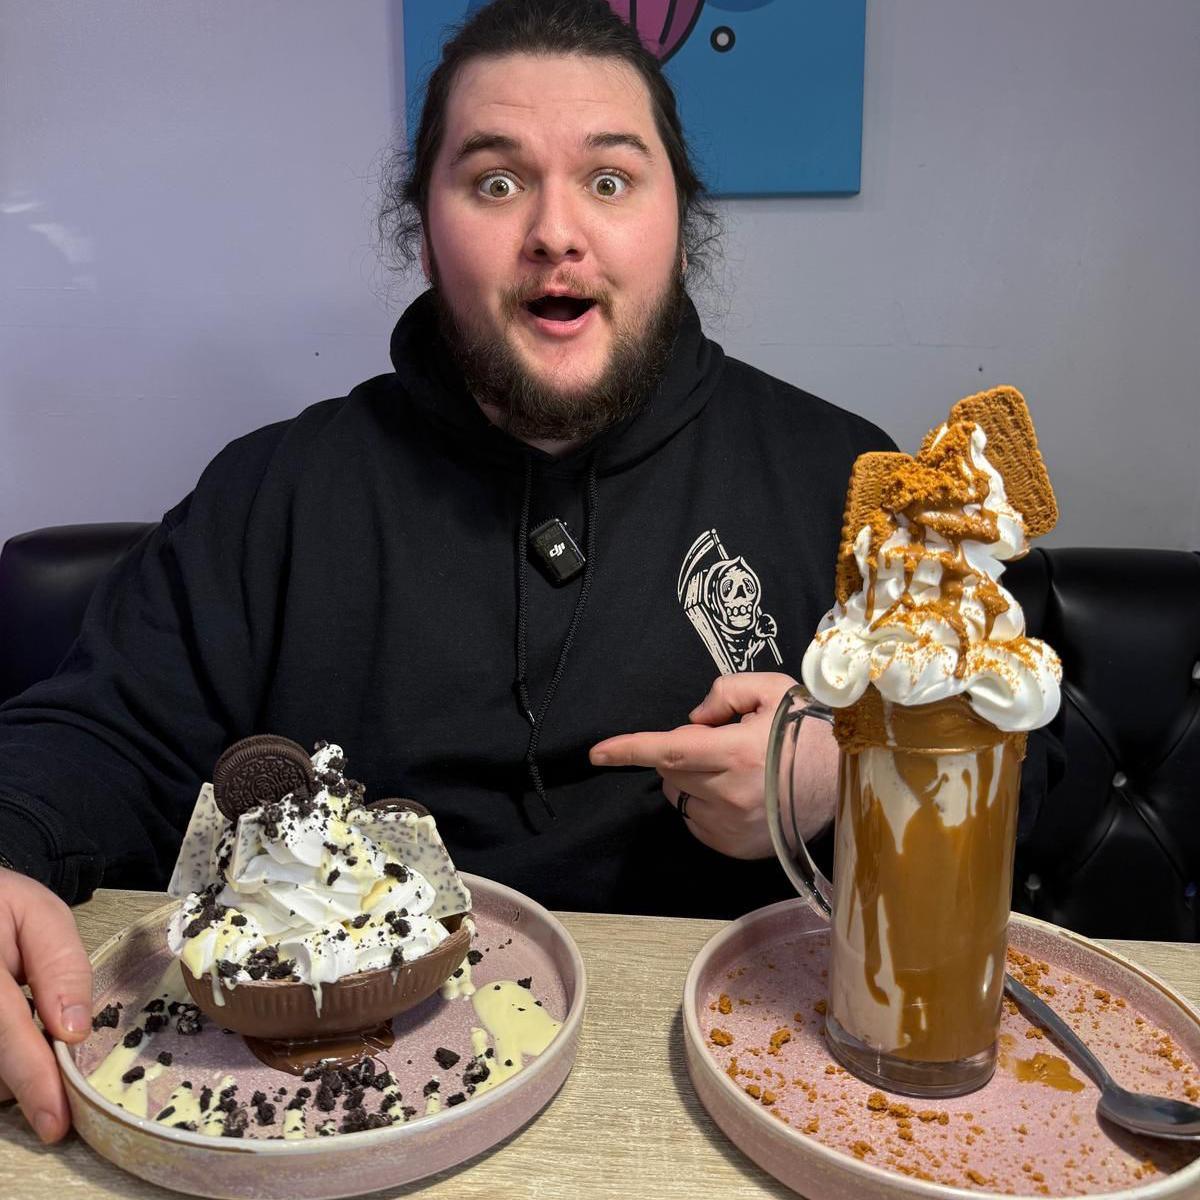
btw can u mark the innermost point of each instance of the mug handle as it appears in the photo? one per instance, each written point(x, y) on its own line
point(779, 794)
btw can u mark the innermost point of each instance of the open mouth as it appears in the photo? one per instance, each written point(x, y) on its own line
point(559, 308)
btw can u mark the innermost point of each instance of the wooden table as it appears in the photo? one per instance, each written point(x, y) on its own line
point(626, 1123)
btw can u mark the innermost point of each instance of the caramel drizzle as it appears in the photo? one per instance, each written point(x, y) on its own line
point(944, 893)
point(931, 492)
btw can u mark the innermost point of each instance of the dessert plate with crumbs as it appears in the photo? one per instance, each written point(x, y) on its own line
point(167, 1094)
point(756, 1053)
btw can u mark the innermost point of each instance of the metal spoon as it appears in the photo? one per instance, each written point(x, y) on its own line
point(1155, 1116)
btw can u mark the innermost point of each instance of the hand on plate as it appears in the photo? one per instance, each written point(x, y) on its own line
point(39, 945)
point(719, 760)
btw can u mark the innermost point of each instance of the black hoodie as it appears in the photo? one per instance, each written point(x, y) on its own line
point(359, 574)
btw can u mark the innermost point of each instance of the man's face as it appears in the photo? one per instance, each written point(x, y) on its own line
point(552, 238)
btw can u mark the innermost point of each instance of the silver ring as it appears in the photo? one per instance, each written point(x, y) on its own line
point(682, 804)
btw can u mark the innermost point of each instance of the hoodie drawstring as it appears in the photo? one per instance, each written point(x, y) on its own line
point(521, 683)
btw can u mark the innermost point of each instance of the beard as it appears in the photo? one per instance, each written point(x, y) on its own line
point(534, 409)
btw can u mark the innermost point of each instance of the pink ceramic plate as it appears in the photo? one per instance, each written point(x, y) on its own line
point(518, 941)
point(757, 1057)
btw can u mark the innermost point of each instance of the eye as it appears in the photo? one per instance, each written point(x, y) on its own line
point(609, 184)
point(496, 186)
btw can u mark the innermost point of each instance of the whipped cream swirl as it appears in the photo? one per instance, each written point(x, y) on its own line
point(305, 893)
point(931, 620)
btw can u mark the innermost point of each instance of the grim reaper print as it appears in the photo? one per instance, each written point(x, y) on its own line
point(722, 597)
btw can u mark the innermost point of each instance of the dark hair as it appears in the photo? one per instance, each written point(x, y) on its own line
point(585, 27)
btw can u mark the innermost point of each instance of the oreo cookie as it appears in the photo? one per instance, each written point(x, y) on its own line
point(261, 770)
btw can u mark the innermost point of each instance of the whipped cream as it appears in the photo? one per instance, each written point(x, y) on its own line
point(310, 890)
point(931, 620)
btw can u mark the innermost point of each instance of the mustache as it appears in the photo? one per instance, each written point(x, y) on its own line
point(513, 299)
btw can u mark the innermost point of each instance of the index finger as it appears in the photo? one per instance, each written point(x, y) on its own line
point(688, 748)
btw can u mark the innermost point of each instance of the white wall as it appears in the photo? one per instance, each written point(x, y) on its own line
point(186, 241)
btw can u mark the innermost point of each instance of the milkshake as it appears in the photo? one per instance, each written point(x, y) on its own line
point(933, 686)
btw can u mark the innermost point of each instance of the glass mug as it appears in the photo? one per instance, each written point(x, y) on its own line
point(924, 834)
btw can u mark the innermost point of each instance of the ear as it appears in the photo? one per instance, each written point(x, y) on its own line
point(426, 258)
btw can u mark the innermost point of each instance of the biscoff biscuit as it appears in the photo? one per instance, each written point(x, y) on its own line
point(1012, 448)
point(867, 479)
point(860, 724)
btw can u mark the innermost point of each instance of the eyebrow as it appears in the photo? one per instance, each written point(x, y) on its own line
point(478, 142)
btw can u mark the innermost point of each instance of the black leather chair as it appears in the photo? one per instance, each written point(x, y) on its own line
point(46, 580)
point(1115, 848)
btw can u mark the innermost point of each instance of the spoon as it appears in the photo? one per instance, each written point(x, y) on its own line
point(1155, 1116)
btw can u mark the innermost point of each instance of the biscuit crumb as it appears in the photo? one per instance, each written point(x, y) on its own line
point(721, 1037)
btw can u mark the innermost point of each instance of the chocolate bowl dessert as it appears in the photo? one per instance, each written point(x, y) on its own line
point(281, 1024)
point(310, 918)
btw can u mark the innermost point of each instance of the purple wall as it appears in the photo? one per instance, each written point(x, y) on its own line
point(187, 202)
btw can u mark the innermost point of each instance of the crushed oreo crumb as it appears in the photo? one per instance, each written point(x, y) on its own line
point(236, 1120)
point(527, 982)
point(165, 1057)
point(476, 1072)
point(399, 926)
point(132, 1038)
point(474, 957)
point(108, 1017)
point(133, 1074)
point(457, 1098)
point(445, 1058)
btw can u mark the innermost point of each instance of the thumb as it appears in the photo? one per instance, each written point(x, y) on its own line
point(733, 696)
point(56, 965)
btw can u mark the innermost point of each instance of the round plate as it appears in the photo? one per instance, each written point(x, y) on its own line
point(756, 1053)
point(519, 941)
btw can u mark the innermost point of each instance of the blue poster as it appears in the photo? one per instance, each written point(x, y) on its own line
point(770, 91)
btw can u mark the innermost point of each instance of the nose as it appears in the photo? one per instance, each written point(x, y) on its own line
point(555, 232)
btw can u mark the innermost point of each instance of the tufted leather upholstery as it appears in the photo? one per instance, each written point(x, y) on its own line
point(1114, 850)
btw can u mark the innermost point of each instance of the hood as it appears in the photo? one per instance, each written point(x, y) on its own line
point(432, 382)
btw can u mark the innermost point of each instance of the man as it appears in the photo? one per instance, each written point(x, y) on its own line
point(565, 515)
